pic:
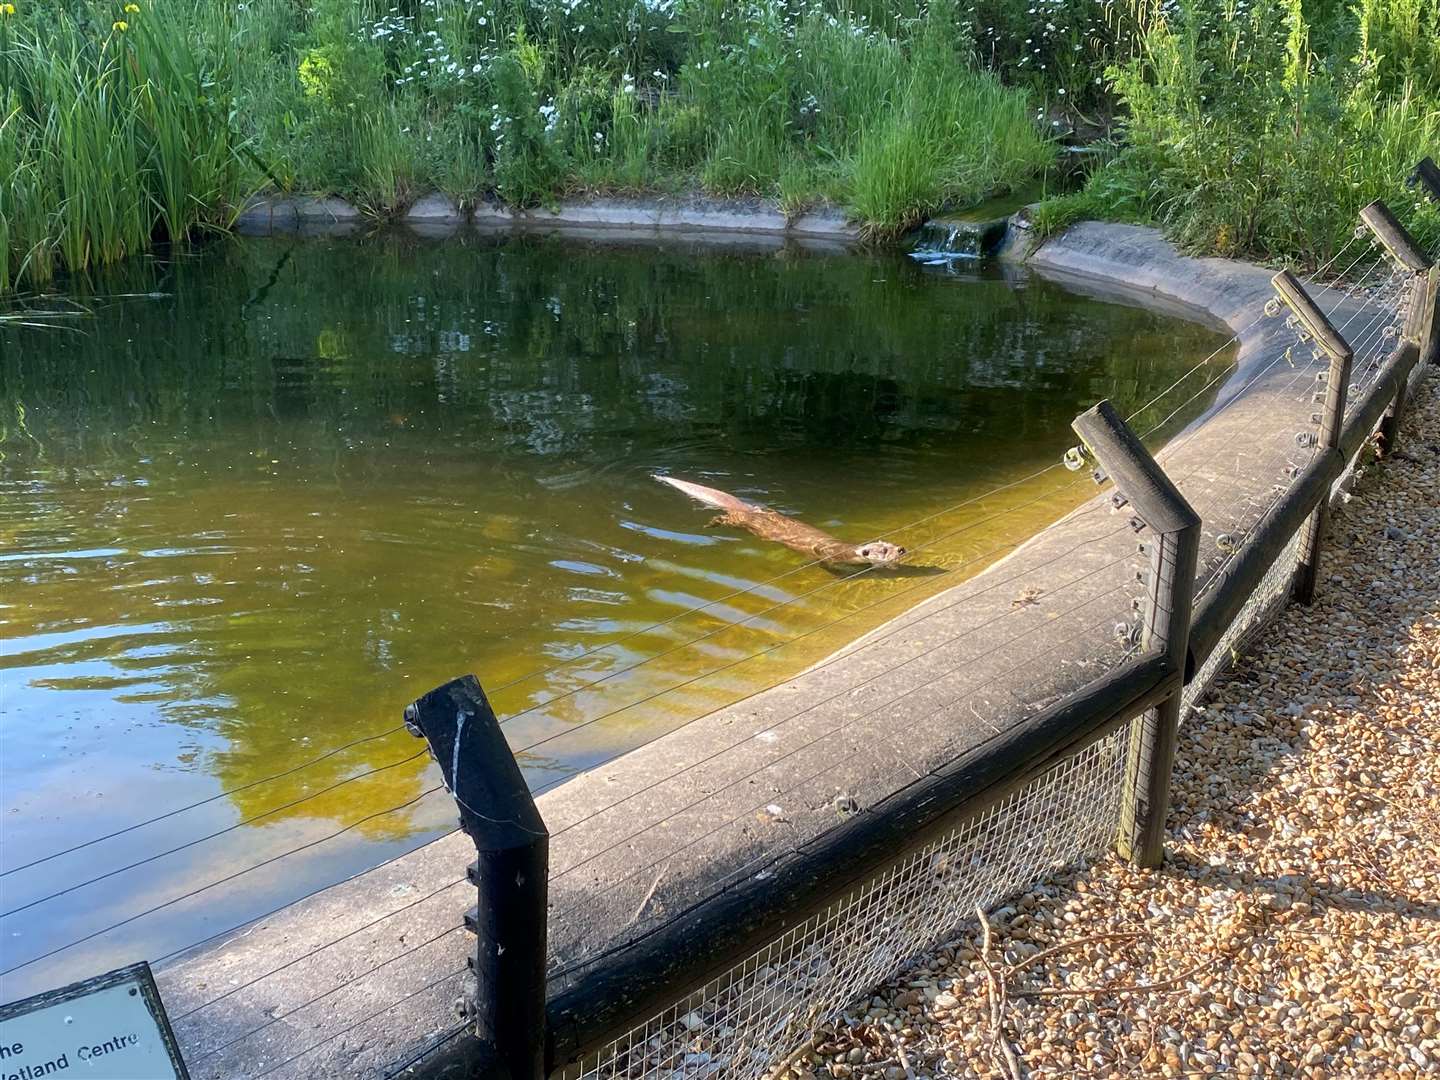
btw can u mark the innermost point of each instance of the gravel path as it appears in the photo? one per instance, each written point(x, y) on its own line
point(1295, 927)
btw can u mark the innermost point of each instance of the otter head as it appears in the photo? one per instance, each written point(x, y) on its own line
point(880, 552)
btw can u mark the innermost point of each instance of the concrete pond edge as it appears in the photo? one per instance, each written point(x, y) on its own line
point(1228, 472)
point(437, 214)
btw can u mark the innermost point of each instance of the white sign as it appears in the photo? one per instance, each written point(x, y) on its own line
point(111, 1027)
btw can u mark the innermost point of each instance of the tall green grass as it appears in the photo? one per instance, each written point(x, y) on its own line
point(944, 141)
point(115, 134)
point(1255, 131)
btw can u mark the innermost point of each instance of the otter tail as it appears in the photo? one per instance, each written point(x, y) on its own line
point(720, 500)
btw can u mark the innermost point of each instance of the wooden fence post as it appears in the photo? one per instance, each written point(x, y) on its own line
point(1407, 253)
point(510, 873)
point(1427, 177)
point(1159, 504)
point(1393, 237)
point(1331, 420)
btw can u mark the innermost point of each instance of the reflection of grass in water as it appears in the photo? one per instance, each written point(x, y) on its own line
point(659, 681)
point(705, 662)
point(726, 660)
point(394, 782)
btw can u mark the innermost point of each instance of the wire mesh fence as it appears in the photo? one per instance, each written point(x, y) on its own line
point(756, 1015)
point(1264, 605)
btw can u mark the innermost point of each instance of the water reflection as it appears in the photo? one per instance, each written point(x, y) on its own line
point(248, 516)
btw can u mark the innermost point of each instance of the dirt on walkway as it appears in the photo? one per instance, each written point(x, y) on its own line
point(1294, 929)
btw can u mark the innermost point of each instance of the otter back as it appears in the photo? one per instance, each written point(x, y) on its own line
point(796, 535)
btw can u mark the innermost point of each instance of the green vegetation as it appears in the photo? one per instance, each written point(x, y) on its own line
point(112, 133)
point(1245, 127)
point(1259, 128)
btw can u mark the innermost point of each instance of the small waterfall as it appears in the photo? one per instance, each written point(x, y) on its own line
point(943, 241)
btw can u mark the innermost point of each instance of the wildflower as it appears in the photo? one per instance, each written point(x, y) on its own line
point(7, 9)
point(132, 9)
point(120, 25)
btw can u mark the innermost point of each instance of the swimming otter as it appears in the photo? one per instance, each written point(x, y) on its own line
point(796, 535)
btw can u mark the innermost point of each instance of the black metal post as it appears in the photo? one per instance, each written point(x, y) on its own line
point(510, 874)
point(1332, 419)
point(1160, 505)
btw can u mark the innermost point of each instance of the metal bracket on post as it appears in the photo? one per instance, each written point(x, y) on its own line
point(1159, 504)
point(1332, 420)
point(511, 872)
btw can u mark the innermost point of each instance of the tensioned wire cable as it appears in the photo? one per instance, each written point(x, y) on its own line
point(728, 666)
point(848, 723)
point(1250, 382)
point(855, 687)
point(203, 802)
point(541, 672)
point(454, 929)
point(743, 871)
point(319, 948)
point(397, 1068)
point(220, 881)
point(1235, 338)
point(1381, 299)
point(211, 836)
point(1270, 366)
point(571, 692)
point(363, 1020)
point(307, 955)
point(276, 1017)
point(732, 821)
point(772, 648)
point(308, 895)
point(1370, 348)
point(319, 840)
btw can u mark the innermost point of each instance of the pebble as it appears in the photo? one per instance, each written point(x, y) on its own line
point(1292, 929)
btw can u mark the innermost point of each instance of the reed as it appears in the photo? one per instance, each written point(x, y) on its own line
point(117, 136)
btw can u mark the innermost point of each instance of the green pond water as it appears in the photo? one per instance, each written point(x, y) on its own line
point(264, 496)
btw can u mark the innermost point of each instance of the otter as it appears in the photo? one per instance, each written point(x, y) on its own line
point(796, 535)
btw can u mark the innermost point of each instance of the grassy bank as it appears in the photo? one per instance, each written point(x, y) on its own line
point(1246, 127)
point(113, 133)
point(524, 101)
point(1258, 129)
